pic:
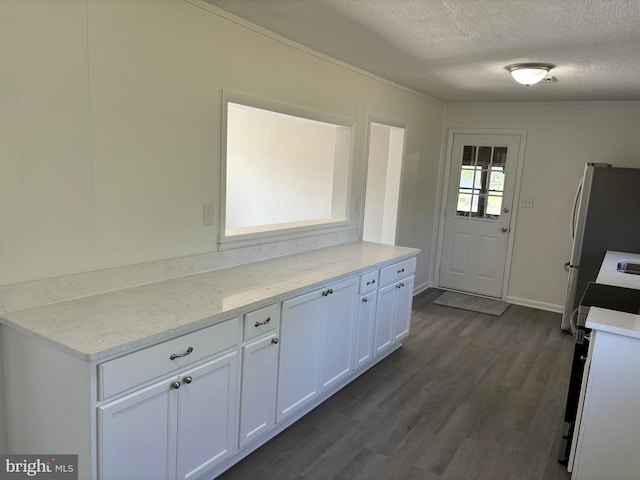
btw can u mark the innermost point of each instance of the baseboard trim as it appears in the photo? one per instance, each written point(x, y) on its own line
point(422, 287)
point(525, 302)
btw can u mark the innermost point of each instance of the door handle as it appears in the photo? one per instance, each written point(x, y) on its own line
point(504, 229)
point(506, 209)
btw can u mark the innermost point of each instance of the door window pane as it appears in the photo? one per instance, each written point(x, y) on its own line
point(484, 157)
point(499, 156)
point(494, 204)
point(469, 155)
point(464, 203)
point(482, 176)
point(470, 178)
point(496, 183)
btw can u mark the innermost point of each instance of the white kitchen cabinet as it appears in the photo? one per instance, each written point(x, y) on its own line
point(393, 315)
point(179, 427)
point(339, 312)
point(259, 372)
point(403, 306)
point(259, 376)
point(137, 432)
point(207, 415)
point(365, 329)
point(385, 315)
point(299, 366)
point(121, 351)
point(608, 436)
point(316, 349)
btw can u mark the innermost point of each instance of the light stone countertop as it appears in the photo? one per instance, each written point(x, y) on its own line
point(621, 323)
point(100, 326)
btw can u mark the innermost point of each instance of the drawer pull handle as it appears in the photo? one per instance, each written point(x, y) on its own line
point(401, 270)
point(371, 282)
point(274, 341)
point(267, 320)
point(175, 385)
point(173, 356)
point(326, 293)
point(400, 285)
point(188, 379)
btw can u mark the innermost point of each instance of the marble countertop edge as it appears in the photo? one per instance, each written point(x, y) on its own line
point(620, 323)
point(612, 321)
point(102, 326)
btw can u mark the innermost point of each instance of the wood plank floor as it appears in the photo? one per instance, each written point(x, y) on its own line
point(469, 396)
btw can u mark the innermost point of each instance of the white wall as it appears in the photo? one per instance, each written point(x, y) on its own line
point(561, 138)
point(110, 129)
point(110, 140)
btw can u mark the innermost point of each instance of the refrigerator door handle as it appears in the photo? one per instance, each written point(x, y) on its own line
point(574, 213)
point(567, 266)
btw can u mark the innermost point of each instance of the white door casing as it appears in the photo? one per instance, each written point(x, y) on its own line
point(479, 211)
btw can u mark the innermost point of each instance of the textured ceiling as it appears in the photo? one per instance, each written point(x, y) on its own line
point(456, 50)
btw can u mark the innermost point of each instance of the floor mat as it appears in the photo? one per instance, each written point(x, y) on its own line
point(472, 302)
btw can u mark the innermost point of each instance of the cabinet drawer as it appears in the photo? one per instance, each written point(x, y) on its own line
point(397, 270)
point(261, 321)
point(369, 281)
point(139, 367)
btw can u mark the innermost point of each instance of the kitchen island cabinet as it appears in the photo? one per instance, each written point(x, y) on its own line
point(155, 380)
point(609, 425)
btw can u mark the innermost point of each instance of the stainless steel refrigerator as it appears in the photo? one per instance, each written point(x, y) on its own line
point(606, 216)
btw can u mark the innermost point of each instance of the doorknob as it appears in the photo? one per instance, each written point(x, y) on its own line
point(506, 209)
point(504, 229)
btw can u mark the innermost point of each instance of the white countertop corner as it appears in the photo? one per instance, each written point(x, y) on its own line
point(612, 321)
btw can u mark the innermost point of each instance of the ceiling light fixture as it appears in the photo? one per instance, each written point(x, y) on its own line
point(529, 73)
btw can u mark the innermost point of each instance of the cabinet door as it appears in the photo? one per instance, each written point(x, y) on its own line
point(300, 342)
point(259, 375)
point(339, 313)
point(364, 329)
point(137, 435)
point(404, 302)
point(207, 415)
point(385, 313)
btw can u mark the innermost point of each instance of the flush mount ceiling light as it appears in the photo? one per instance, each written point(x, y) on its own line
point(529, 73)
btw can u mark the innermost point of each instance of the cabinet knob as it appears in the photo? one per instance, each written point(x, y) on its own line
point(275, 341)
point(188, 379)
point(175, 385)
point(365, 300)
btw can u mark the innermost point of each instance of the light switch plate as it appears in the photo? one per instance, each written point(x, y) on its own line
point(526, 203)
point(207, 215)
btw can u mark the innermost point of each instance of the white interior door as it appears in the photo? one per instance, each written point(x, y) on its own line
point(478, 212)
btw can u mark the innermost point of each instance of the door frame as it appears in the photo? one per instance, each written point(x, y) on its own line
point(446, 162)
point(390, 122)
